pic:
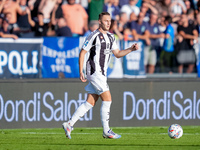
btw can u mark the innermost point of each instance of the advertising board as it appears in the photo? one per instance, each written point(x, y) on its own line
point(48, 103)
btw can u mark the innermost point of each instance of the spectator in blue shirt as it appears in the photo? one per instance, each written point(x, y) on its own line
point(167, 56)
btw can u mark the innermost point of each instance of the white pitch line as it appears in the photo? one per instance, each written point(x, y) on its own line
point(96, 133)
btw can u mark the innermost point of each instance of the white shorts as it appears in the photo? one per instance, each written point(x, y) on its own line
point(97, 84)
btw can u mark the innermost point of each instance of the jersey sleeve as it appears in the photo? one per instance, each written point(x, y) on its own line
point(114, 45)
point(88, 43)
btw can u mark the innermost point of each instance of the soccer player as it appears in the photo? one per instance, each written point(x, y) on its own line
point(100, 44)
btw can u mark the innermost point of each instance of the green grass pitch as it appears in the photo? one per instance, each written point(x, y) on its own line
point(133, 138)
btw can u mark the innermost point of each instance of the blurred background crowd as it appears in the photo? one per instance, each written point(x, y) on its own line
point(168, 28)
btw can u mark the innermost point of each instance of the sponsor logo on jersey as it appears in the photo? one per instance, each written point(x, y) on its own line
point(86, 43)
point(107, 51)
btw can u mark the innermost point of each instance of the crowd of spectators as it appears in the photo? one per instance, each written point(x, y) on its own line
point(168, 28)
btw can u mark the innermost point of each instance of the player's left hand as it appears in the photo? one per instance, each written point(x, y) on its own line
point(135, 47)
point(82, 78)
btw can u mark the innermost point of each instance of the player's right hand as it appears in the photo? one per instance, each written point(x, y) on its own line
point(135, 47)
point(82, 77)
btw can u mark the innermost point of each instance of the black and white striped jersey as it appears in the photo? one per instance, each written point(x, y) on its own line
point(100, 47)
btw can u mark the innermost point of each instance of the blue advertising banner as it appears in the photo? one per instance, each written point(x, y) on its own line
point(60, 57)
point(133, 63)
point(20, 58)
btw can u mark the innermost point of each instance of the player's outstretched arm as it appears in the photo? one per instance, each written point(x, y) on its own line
point(81, 61)
point(122, 53)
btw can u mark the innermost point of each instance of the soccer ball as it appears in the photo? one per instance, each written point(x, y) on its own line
point(175, 131)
